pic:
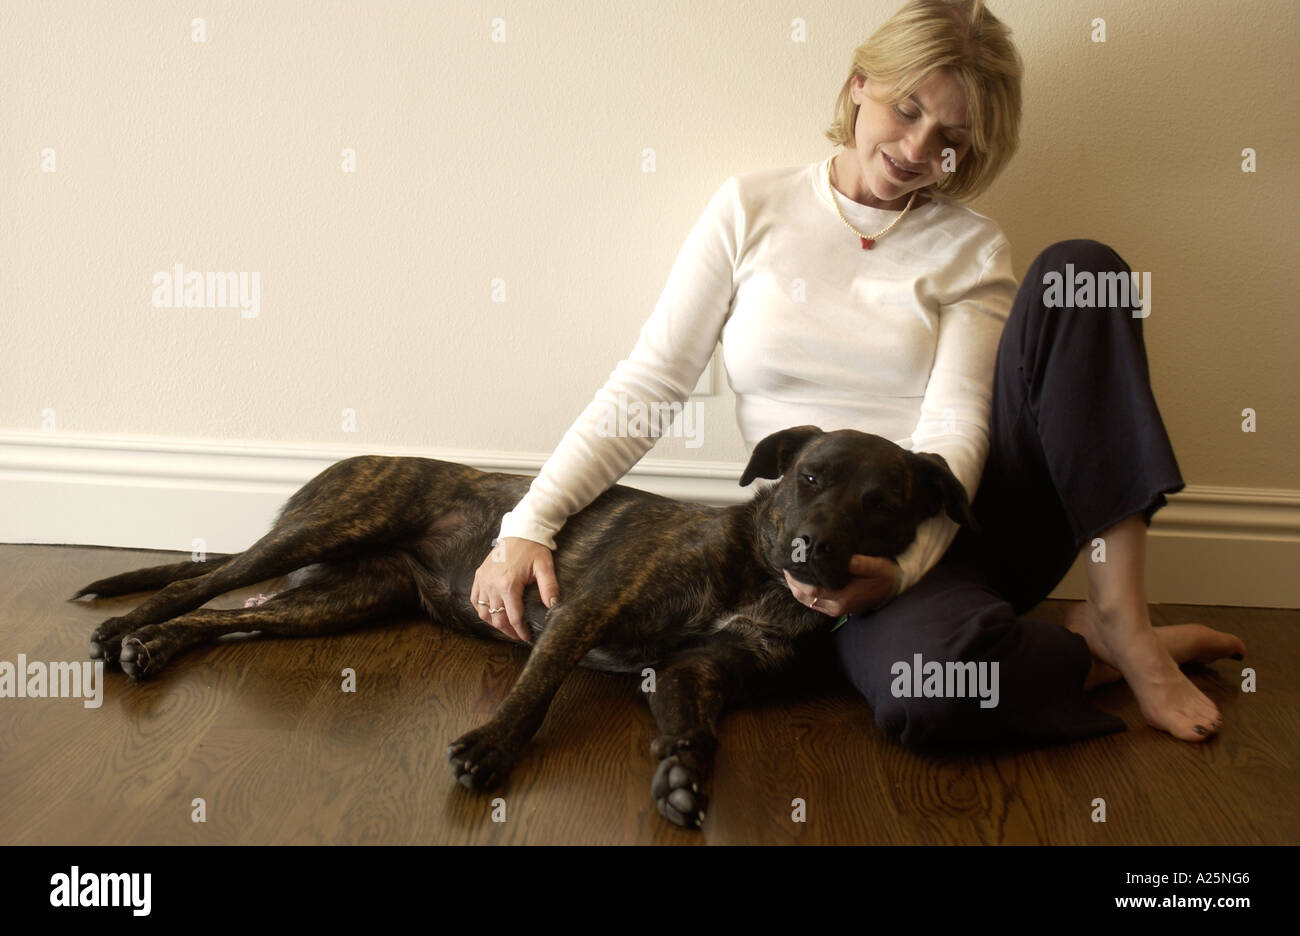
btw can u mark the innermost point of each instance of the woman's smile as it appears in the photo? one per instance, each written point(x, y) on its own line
point(897, 171)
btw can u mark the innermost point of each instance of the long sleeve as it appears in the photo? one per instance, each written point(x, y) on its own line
point(673, 348)
point(958, 399)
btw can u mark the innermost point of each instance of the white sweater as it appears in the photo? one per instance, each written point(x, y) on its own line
point(900, 340)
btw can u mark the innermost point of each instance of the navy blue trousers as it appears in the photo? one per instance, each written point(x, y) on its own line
point(1076, 445)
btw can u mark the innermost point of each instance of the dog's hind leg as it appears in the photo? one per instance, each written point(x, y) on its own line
point(150, 579)
point(340, 597)
point(337, 515)
point(279, 552)
point(692, 690)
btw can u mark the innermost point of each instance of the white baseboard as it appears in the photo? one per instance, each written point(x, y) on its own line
point(1210, 545)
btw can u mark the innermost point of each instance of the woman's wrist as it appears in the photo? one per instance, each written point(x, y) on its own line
point(893, 593)
point(898, 581)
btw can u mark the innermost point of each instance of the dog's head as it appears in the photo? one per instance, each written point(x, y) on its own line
point(844, 493)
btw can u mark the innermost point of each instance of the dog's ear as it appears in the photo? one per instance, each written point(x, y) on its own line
point(775, 453)
point(937, 489)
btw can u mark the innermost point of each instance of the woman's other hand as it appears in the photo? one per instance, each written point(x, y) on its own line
point(872, 585)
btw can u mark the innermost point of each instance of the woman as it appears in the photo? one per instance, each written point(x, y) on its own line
point(859, 292)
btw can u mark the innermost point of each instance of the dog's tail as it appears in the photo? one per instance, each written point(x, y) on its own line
point(150, 579)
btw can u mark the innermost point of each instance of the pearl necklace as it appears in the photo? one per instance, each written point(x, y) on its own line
point(868, 240)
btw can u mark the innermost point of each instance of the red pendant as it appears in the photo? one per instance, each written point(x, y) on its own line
point(868, 243)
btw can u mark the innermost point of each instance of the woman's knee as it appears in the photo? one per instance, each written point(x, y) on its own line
point(1084, 254)
point(1084, 273)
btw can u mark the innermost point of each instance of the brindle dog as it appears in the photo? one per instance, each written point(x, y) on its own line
point(695, 592)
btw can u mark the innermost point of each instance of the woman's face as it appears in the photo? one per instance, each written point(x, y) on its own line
point(912, 133)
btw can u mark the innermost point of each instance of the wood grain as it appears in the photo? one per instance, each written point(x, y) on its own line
point(261, 730)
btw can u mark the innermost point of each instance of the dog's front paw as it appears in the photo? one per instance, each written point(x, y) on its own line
point(683, 767)
point(479, 760)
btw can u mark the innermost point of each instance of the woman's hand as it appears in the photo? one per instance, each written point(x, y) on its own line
point(501, 579)
point(873, 583)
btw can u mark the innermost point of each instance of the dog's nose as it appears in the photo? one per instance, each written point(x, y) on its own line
point(817, 546)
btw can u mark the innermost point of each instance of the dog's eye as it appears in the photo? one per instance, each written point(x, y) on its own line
point(810, 479)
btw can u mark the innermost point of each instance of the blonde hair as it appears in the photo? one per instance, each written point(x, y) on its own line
point(975, 47)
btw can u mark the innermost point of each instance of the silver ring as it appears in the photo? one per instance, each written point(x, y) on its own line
point(496, 610)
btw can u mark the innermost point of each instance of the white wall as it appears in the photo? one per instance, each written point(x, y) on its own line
point(524, 160)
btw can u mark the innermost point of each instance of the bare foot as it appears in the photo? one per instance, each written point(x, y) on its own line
point(1185, 643)
point(1124, 645)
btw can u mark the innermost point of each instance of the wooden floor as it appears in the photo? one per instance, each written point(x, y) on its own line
point(260, 730)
